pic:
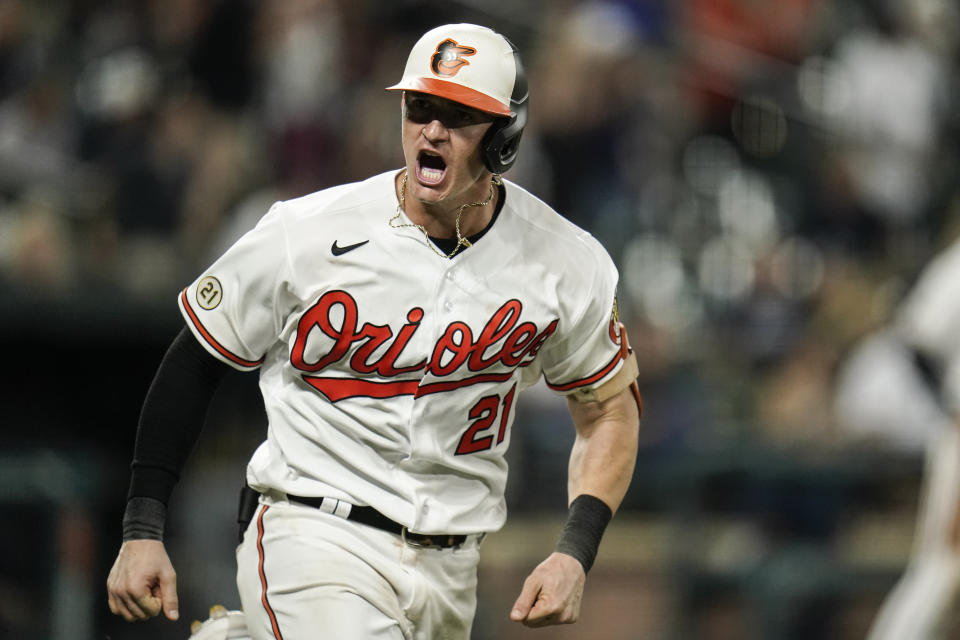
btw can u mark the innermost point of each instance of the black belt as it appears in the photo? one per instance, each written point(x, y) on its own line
point(373, 518)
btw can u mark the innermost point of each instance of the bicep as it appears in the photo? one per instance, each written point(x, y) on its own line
point(605, 449)
point(620, 409)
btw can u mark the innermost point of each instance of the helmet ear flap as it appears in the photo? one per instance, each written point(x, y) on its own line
point(501, 144)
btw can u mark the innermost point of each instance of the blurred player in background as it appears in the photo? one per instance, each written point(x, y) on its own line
point(393, 323)
point(901, 385)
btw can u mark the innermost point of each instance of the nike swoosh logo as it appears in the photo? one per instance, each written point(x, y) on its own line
point(337, 250)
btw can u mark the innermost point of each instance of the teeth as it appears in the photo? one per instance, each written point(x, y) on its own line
point(431, 174)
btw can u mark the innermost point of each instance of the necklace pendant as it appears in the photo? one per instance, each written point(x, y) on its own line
point(495, 181)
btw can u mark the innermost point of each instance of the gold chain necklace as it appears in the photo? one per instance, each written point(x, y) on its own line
point(495, 181)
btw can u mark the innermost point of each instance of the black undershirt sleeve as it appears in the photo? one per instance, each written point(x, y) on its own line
point(170, 423)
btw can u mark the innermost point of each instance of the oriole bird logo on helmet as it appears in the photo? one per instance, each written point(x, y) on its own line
point(448, 58)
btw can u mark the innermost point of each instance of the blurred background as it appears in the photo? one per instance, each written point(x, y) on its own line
point(769, 175)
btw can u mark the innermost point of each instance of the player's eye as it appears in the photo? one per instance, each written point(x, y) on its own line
point(425, 111)
point(420, 111)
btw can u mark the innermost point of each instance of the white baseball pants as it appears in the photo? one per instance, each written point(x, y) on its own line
point(307, 575)
point(923, 598)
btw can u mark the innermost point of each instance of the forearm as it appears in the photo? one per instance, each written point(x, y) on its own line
point(605, 450)
point(170, 423)
point(601, 467)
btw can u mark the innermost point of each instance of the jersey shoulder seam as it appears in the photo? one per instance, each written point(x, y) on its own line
point(288, 266)
point(330, 201)
point(568, 232)
point(563, 228)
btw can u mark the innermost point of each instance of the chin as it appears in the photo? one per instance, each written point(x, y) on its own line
point(428, 193)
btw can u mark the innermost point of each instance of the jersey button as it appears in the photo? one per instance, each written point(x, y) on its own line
point(448, 306)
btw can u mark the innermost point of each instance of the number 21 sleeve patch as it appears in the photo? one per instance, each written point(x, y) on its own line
point(207, 338)
point(232, 308)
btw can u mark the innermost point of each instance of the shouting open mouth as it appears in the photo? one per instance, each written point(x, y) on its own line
point(431, 168)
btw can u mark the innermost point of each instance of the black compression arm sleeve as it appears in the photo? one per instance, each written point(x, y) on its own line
point(172, 416)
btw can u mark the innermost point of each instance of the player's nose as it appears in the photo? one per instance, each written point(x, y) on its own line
point(435, 131)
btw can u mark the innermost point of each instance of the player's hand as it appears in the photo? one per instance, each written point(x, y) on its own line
point(552, 593)
point(142, 582)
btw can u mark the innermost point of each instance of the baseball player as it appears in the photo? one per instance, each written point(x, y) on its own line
point(902, 383)
point(221, 625)
point(394, 323)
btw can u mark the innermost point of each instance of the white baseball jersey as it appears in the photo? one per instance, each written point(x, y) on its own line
point(881, 391)
point(389, 373)
point(929, 319)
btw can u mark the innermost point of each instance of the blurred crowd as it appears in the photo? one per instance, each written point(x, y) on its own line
point(767, 175)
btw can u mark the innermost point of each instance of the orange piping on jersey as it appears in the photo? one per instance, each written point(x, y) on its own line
point(263, 577)
point(341, 388)
point(450, 385)
point(635, 390)
point(585, 381)
point(210, 339)
point(625, 351)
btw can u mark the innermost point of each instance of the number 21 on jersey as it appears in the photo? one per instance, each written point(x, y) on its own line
point(483, 414)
